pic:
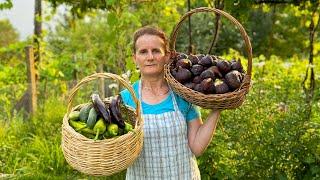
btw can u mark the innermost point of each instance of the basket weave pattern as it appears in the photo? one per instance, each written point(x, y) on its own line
point(228, 100)
point(102, 157)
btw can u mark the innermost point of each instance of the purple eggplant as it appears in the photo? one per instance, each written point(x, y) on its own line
point(100, 108)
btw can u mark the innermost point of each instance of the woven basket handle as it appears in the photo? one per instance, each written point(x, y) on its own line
point(107, 76)
point(228, 16)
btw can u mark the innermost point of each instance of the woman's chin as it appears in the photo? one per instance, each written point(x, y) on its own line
point(152, 72)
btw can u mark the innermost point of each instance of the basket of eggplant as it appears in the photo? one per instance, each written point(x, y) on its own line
point(103, 136)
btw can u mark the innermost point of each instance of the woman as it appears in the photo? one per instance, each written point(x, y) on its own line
point(173, 131)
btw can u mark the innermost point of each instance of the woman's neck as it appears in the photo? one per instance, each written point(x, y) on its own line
point(153, 83)
point(154, 90)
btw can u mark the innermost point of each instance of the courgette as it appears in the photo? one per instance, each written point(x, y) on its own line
point(84, 112)
point(92, 118)
point(74, 115)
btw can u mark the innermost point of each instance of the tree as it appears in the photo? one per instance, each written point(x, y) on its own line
point(8, 33)
point(6, 5)
point(37, 28)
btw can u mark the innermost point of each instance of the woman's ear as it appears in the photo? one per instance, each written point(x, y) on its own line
point(167, 56)
point(135, 61)
point(134, 58)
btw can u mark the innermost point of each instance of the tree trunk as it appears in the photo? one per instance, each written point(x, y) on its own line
point(190, 48)
point(28, 101)
point(273, 19)
point(309, 82)
point(37, 28)
point(218, 5)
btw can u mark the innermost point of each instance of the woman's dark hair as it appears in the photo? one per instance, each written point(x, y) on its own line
point(150, 30)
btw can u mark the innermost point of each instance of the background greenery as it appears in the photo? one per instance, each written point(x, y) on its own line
point(275, 134)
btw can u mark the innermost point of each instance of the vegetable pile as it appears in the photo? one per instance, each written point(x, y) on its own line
point(97, 120)
point(206, 73)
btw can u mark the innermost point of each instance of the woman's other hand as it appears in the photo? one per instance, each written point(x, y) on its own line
point(200, 134)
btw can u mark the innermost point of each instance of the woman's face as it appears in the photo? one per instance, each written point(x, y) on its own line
point(150, 55)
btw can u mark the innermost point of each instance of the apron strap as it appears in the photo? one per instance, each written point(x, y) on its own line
point(140, 94)
point(175, 104)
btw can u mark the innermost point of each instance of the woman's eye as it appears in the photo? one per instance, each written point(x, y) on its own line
point(156, 51)
point(143, 51)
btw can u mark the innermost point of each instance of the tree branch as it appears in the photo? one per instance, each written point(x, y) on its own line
point(277, 2)
point(219, 5)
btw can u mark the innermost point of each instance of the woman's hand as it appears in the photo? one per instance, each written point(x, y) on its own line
point(200, 134)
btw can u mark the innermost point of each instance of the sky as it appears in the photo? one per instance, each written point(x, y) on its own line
point(21, 16)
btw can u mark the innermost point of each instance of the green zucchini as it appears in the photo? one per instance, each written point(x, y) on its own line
point(84, 112)
point(74, 115)
point(92, 118)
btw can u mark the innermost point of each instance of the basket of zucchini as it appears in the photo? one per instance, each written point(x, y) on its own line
point(103, 136)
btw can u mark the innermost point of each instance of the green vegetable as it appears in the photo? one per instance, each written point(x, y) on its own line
point(80, 127)
point(128, 127)
point(99, 128)
point(84, 112)
point(92, 118)
point(87, 130)
point(106, 135)
point(74, 115)
point(112, 129)
point(121, 132)
point(77, 125)
point(88, 135)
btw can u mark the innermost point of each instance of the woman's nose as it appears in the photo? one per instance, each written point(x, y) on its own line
point(150, 56)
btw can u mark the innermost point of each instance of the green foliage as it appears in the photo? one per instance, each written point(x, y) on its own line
point(6, 5)
point(95, 40)
point(80, 8)
point(270, 135)
point(283, 24)
point(8, 34)
point(13, 53)
point(103, 38)
point(13, 79)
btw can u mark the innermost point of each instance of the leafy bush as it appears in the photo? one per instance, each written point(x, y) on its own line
point(270, 136)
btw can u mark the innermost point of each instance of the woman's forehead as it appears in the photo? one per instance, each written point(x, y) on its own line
point(148, 40)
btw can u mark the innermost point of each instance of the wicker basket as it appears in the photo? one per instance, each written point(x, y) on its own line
point(228, 100)
point(102, 157)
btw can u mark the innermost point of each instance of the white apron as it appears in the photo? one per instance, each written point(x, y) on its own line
point(165, 153)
